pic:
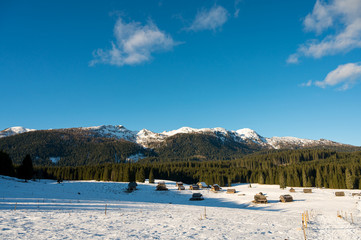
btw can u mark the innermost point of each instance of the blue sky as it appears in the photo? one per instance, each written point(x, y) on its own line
point(282, 68)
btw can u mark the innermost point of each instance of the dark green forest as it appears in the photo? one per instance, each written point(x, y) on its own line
point(76, 147)
point(296, 168)
point(72, 146)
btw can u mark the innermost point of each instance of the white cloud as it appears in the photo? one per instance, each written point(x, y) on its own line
point(347, 75)
point(134, 43)
point(209, 19)
point(236, 8)
point(343, 16)
point(307, 84)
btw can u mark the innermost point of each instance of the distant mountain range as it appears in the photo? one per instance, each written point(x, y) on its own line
point(183, 143)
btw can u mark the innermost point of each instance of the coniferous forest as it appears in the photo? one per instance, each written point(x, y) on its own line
point(296, 168)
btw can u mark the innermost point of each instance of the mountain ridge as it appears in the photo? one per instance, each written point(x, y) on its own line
point(114, 144)
point(147, 138)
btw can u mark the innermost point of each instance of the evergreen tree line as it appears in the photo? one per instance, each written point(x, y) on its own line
point(296, 168)
point(24, 171)
point(301, 168)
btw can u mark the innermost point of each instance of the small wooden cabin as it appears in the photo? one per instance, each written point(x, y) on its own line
point(292, 190)
point(260, 198)
point(202, 185)
point(196, 197)
point(231, 190)
point(356, 194)
point(215, 188)
point(194, 187)
point(180, 186)
point(286, 198)
point(339, 194)
point(132, 186)
point(307, 190)
point(161, 186)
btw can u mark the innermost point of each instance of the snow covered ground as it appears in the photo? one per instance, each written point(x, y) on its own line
point(76, 210)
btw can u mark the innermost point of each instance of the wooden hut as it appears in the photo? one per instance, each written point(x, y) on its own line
point(196, 197)
point(161, 186)
point(260, 198)
point(356, 194)
point(194, 187)
point(215, 188)
point(132, 186)
point(292, 190)
point(307, 190)
point(202, 185)
point(339, 194)
point(231, 190)
point(286, 198)
point(180, 186)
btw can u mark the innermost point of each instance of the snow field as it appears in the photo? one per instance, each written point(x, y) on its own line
point(76, 210)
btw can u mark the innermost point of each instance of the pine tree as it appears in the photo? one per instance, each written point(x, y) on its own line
point(261, 178)
point(106, 174)
point(26, 170)
point(304, 178)
point(229, 181)
point(6, 165)
point(140, 175)
point(349, 179)
point(126, 174)
point(282, 180)
point(318, 178)
point(151, 176)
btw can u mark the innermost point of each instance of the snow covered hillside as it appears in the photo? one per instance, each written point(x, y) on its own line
point(13, 131)
point(76, 210)
point(149, 139)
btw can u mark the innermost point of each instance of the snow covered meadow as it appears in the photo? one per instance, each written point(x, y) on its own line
point(103, 210)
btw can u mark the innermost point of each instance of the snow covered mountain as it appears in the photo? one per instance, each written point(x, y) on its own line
point(149, 139)
point(13, 131)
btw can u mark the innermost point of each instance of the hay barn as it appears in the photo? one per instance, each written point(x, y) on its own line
point(132, 186)
point(196, 197)
point(292, 190)
point(231, 190)
point(161, 186)
point(260, 198)
point(307, 190)
point(215, 188)
point(202, 185)
point(194, 187)
point(286, 198)
point(339, 194)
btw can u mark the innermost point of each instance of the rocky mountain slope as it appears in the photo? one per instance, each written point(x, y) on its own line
point(117, 143)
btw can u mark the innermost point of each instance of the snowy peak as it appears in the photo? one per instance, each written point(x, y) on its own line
point(14, 130)
point(149, 139)
point(249, 134)
point(293, 142)
point(110, 131)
